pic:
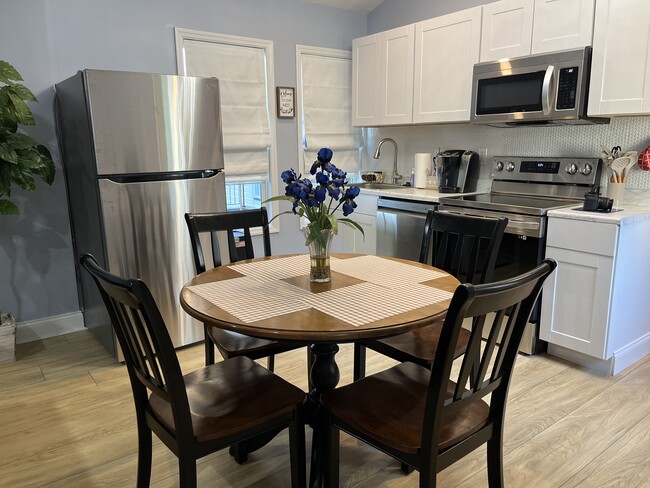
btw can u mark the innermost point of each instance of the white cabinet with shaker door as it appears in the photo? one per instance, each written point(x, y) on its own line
point(620, 68)
point(593, 310)
point(382, 67)
point(446, 49)
point(351, 240)
point(513, 28)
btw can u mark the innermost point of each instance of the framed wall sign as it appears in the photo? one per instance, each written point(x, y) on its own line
point(284, 96)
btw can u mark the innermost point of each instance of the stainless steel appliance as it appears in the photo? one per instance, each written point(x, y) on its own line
point(399, 227)
point(139, 150)
point(538, 89)
point(458, 170)
point(524, 189)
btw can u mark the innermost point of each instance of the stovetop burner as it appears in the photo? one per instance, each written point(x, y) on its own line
point(504, 202)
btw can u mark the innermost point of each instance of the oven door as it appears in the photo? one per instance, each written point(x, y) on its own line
point(522, 249)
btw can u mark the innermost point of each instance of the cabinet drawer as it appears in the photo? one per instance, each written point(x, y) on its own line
point(578, 235)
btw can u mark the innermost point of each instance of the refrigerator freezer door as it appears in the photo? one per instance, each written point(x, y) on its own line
point(147, 237)
point(150, 123)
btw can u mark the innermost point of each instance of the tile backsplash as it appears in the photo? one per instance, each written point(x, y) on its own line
point(631, 133)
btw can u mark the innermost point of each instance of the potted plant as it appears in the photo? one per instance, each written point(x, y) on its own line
point(21, 159)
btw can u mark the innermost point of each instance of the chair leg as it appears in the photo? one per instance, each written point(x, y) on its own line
point(332, 473)
point(359, 362)
point(187, 472)
point(310, 363)
point(209, 347)
point(297, 451)
point(406, 468)
point(239, 452)
point(144, 455)
point(270, 363)
point(495, 461)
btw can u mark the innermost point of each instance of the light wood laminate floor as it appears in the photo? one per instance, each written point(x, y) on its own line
point(67, 420)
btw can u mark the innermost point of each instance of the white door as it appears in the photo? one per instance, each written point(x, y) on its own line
point(562, 24)
point(575, 301)
point(366, 73)
point(397, 75)
point(507, 29)
point(446, 49)
point(620, 69)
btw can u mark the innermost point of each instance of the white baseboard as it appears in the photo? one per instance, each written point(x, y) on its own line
point(620, 360)
point(33, 330)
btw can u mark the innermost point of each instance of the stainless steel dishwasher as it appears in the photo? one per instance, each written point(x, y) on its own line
point(400, 224)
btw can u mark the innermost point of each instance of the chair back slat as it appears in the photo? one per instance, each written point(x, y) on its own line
point(147, 347)
point(505, 306)
point(465, 247)
point(232, 224)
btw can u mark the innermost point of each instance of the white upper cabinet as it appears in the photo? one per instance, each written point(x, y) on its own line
point(507, 29)
point(620, 69)
point(562, 24)
point(366, 71)
point(396, 81)
point(514, 28)
point(382, 78)
point(446, 49)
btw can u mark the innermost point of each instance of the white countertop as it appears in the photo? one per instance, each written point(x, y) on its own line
point(628, 215)
point(410, 193)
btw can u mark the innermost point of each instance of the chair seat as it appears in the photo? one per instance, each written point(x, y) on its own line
point(419, 345)
point(229, 397)
point(232, 344)
point(389, 407)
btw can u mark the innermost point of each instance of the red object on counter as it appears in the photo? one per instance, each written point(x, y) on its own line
point(644, 160)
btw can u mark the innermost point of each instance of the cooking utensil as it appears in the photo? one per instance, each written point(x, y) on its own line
point(617, 168)
point(632, 158)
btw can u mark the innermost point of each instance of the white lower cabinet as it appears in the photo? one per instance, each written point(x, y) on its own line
point(351, 240)
point(593, 309)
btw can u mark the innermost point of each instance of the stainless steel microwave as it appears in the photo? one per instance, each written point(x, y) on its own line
point(539, 89)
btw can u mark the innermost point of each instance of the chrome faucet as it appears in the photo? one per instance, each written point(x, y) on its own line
point(396, 177)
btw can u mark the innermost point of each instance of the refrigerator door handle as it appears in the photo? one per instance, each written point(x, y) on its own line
point(167, 176)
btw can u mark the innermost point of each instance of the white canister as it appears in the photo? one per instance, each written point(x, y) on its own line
point(422, 169)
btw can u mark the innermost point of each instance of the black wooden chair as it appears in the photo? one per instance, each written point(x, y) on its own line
point(429, 418)
point(200, 412)
point(465, 247)
point(237, 228)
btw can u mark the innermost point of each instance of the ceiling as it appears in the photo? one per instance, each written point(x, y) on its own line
point(363, 6)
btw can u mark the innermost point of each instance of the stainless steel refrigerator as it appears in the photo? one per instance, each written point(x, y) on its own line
point(139, 150)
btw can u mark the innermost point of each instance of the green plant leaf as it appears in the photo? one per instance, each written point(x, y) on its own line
point(23, 92)
point(8, 73)
point(354, 225)
point(8, 154)
point(48, 172)
point(23, 179)
point(21, 141)
point(7, 208)
point(22, 113)
point(278, 198)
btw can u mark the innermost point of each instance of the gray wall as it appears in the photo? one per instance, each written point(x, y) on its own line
point(49, 40)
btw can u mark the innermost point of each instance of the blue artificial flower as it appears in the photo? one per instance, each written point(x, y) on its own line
point(314, 167)
point(289, 176)
point(325, 155)
point(352, 193)
point(334, 191)
point(348, 207)
point(322, 179)
point(320, 193)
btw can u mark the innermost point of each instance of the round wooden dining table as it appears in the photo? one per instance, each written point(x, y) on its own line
point(369, 297)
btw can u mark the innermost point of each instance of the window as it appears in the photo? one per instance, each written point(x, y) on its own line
point(244, 68)
point(324, 108)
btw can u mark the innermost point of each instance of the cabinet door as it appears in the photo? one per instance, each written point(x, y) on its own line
point(366, 243)
point(507, 29)
point(396, 85)
point(620, 69)
point(576, 301)
point(366, 71)
point(562, 24)
point(446, 49)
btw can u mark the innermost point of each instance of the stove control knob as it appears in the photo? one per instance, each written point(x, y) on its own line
point(510, 166)
point(499, 166)
point(571, 168)
point(586, 169)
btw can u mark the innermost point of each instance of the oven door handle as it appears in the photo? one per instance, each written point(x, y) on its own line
point(513, 225)
point(519, 225)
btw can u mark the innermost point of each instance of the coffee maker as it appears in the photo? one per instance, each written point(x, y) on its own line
point(458, 170)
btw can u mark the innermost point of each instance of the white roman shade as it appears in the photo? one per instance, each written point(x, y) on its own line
point(327, 110)
point(242, 82)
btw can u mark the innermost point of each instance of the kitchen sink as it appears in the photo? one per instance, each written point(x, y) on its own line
point(370, 185)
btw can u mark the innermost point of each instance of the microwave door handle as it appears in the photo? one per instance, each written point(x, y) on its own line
point(546, 90)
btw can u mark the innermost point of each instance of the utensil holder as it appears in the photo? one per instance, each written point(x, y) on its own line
point(616, 191)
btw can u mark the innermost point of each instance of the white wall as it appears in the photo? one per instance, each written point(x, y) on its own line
point(49, 40)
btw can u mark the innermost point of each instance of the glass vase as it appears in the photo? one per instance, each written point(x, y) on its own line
point(319, 254)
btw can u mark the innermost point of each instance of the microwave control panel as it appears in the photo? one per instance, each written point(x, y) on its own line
point(567, 88)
